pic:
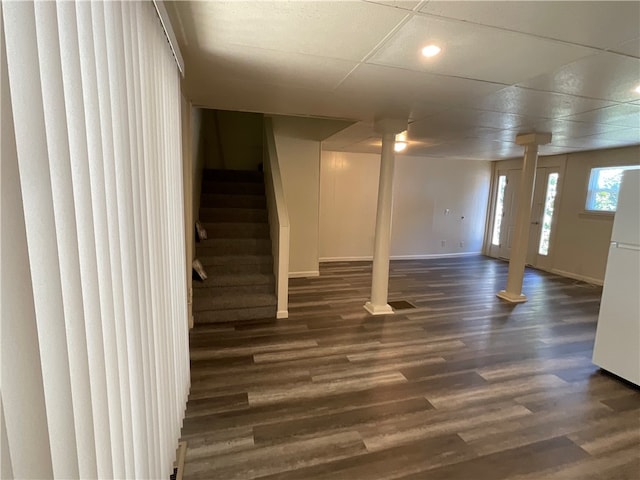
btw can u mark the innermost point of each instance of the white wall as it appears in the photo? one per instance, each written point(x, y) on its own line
point(192, 165)
point(233, 140)
point(423, 189)
point(197, 162)
point(279, 225)
point(300, 170)
point(348, 202)
point(581, 244)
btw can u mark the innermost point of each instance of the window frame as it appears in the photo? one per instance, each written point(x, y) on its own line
point(591, 192)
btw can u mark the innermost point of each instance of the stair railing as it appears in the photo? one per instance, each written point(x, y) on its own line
point(278, 219)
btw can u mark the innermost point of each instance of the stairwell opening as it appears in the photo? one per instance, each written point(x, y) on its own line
point(236, 254)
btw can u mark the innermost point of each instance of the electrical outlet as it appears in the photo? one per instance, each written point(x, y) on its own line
point(461, 244)
point(443, 243)
point(447, 211)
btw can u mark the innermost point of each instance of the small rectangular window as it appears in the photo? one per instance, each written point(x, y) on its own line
point(502, 183)
point(604, 184)
point(547, 217)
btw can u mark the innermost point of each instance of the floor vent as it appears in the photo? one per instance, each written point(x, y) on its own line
point(401, 305)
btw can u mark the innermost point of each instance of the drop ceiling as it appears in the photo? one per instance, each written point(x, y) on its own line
point(505, 68)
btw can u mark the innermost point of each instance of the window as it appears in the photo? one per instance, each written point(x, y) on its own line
point(604, 184)
point(502, 183)
point(547, 218)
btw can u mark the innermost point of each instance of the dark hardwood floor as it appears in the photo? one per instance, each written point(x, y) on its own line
point(464, 386)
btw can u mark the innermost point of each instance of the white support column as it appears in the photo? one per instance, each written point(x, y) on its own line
point(513, 292)
point(380, 279)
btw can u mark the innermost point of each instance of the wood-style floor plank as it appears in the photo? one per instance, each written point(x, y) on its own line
point(463, 386)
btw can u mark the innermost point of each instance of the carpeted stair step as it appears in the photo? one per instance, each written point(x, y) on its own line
point(233, 175)
point(233, 246)
point(237, 230)
point(234, 279)
point(234, 290)
point(237, 254)
point(235, 314)
point(233, 188)
point(237, 264)
point(211, 200)
point(239, 215)
point(238, 269)
point(225, 302)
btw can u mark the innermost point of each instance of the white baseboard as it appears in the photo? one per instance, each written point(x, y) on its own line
point(282, 314)
point(345, 259)
point(400, 257)
point(577, 276)
point(435, 255)
point(310, 273)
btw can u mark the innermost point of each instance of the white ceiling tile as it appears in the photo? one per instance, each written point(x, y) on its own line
point(567, 129)
point(273, 67)
point(247, 96)
point(309, 128)
point(533, 103)
point(562, 130)
point(623, 115)
point(472, 51)
point(457, 127)
point(591, 143)
point(346, 30)
point(353, 134)
point(606, 75)
point(483, 118)
point(597, 24)
point(405, 4)
point(546, 150)
point(497, 119)
point(490, 125)
point(627, 135)
point(417, 92)
point(438, 127)
point(632, 47)
point(476, 149)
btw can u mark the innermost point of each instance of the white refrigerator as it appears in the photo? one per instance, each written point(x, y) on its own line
point(617, 345)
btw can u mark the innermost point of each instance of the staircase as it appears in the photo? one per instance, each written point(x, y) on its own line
point(237, 253)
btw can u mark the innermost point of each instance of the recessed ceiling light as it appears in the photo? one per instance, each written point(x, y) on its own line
point(637, 89)
point(400, 146)
point(431, 50)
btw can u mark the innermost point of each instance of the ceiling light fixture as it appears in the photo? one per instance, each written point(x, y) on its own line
point(401, 141)
point(637, 89)
point(431, 50)
point(400, 146)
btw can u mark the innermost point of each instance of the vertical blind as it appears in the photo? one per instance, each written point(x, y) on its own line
point(95, 363)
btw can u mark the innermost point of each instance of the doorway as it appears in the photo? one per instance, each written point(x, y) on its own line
point(543, 218)
point(504, 218)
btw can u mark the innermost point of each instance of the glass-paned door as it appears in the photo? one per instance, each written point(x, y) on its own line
point(543, 217)
point(504, 213)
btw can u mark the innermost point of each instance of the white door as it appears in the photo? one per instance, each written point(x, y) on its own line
point(504, 216)
point(543, 218)
point(542, 215)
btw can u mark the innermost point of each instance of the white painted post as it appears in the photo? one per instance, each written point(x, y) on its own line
point(513, 292)
point(380, 277)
